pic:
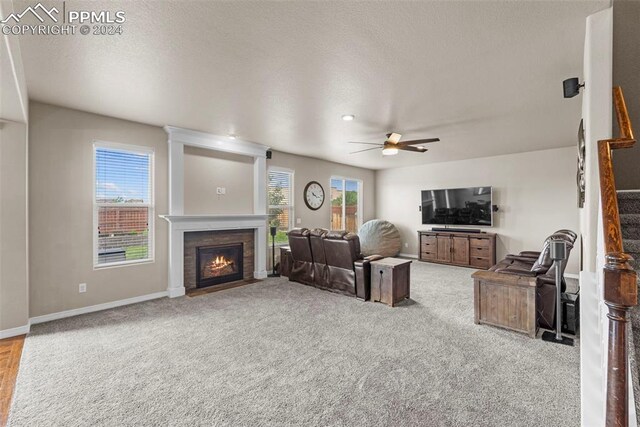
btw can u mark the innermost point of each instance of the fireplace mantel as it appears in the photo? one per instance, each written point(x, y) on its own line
point(198, 219)
point(179, 223)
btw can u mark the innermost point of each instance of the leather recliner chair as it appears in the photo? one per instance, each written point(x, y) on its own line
point(320, 276)
point(302, 270)
point(348, 271)
point(533, 255)
point(330, 260)
point(543, 269)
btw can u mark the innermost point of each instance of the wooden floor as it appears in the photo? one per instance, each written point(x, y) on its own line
point(10, 352)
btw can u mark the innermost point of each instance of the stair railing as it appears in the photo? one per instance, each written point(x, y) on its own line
point(620, 281)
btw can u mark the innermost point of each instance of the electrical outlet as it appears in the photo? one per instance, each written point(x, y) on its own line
point(221, 190)
point(406, 245)
point(82, 288)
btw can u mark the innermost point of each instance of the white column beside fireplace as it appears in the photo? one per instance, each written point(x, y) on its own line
point(179, 223)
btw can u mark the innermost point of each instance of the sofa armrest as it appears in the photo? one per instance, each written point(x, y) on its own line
point(516, 272)
point(530, 254)
point(362, 269)
point(526, 259)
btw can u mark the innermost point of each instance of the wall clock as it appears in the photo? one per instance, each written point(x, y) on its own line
point(313, 195)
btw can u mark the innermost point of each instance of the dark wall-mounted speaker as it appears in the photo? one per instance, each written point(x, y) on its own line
point(269, 154)
point(571, 87)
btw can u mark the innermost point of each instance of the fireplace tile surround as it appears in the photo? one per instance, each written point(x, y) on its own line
point(195, 239)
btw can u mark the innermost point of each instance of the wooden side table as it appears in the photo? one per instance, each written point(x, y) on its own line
point(390, 280)
point(286, 261)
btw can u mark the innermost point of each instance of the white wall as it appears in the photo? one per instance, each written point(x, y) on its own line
point(61, 211)
point(597, 113)
point(309, 169)
point(14, 116)
point(535, 193)
point(14, 296)
point(205, 171)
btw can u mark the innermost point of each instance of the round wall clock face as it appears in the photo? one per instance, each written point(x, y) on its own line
point(313, 195)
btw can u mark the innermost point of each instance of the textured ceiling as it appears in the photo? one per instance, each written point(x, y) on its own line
point(485, 77)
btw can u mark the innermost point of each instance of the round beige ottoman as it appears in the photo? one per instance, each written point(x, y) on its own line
point(379, 237)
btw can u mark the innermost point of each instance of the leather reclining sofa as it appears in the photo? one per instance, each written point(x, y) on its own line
point(330, 260)
point(541, 266)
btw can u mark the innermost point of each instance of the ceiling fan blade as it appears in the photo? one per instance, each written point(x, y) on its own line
point(410, 148)
point(366, 149)
point(394, 138)
point(366, 143)
point(419, 141)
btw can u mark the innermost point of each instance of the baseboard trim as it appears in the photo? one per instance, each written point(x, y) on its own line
point(97, 307)
point(14, 332)
point(412, 256)
point(572, 276)
point(176, 292)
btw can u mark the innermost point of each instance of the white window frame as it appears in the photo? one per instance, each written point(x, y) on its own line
point(139, 149)
point(360, 200)
point(292, 197)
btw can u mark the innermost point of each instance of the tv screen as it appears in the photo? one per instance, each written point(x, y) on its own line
point(457, 206)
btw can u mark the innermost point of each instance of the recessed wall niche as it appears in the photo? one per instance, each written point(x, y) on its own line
point(206, 171)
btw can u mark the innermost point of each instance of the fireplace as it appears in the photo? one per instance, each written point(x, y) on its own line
point(218, 264)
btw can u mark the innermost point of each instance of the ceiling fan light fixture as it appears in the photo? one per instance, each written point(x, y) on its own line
point(389, 151)
point(348, 117)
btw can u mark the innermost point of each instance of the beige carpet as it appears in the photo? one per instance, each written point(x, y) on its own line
point(279, 353)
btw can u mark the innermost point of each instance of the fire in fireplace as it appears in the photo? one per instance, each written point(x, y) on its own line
point(218, 264)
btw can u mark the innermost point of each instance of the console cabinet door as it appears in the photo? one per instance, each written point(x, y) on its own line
point(444, 249)
point(460, 250)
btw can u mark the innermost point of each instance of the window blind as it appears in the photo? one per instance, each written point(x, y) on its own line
point(280, 198)
point(123, 208)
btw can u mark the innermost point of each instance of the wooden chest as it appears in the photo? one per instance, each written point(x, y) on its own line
point(505, 300)
point(390, 280)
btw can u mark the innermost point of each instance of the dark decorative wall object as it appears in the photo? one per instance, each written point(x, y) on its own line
point(581, 154)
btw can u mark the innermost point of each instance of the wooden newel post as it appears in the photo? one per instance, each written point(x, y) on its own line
point(620, 294)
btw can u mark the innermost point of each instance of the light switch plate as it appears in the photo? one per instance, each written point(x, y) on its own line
point(298, 221)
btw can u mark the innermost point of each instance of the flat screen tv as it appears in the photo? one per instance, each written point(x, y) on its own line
point(458, 206)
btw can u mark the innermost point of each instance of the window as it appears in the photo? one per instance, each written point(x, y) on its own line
point(123, 207)
point(280, 198)
point(346, 204)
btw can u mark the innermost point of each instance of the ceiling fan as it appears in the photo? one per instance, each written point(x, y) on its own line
point(392, 145)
